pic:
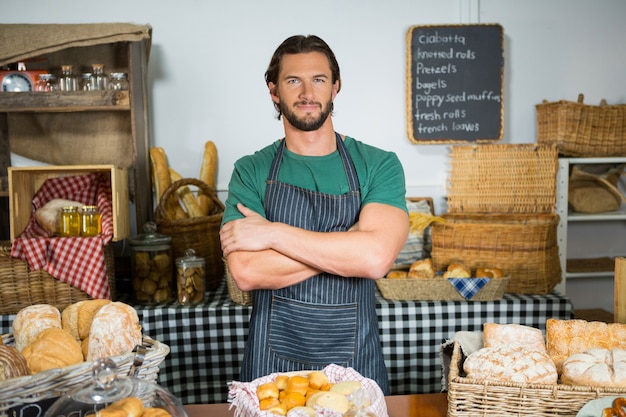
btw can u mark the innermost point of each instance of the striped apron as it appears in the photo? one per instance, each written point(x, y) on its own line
point(327, 318)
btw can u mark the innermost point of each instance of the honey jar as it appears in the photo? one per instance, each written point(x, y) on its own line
point(90, 224)
point(69, 221)
point(152, 266)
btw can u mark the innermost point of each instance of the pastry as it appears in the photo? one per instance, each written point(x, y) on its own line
point(155, 412)
point(32, 320)
point(511, 364)
point(596, 367)
point(422, 268)
point(397, 275)
point(328, 399)
point(495, 334)
point(127, 407)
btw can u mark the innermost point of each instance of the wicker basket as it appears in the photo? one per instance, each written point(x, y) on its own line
point(240, 297)
point(523, 246)
point(437, 289)
point(198, 233)
point(500, 178)
point(469, 397)
point(20, 287)
point(582, 130)
point(55, 382)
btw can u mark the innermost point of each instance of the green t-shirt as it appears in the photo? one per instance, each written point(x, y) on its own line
point(380, 174)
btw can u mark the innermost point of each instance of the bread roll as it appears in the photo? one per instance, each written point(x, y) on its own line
point(567, 337)
point(457, 270)
point(267, 390)
point(32, 320)
point(329, 399)
point(511, 364)
point(48, 215)
point(302, 411)
point(489, 273)
point(115, 330)
point(208, 174)
point(397, 275)
point(317, 379)
point(12, 363)
point(155, 412)
point(346, 387)
point(422, 268)
point(495, 334)
point(596, 367)
point(187, 197)
point(52, 348)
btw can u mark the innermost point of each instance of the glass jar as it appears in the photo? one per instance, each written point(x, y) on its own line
point(46, 82)
point(90, 221)
point(98, 79)
point(118, 81)
point(67, 80)
point(84, 81)
point(190, 278)
point(69, 221)
point(152, 266)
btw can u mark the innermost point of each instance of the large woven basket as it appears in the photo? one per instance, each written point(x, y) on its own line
point(238, 296)
point(437, 289)
point(469, 397)
point(55, 382)
point(201, 234)
point(523, 246)
point(502, 178)
point(21, 287)
point(579, 129)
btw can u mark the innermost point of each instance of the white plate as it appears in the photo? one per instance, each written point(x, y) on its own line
point(594, 407)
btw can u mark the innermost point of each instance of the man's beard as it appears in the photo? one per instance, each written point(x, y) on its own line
point(308, 123)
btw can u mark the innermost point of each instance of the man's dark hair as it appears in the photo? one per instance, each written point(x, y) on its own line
point(300, 44)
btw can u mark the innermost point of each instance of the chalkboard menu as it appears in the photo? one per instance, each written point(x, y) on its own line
point(455, 83)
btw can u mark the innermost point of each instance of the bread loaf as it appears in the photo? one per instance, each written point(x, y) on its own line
point(511, 364)
point(52, 348)
point(208, 174)
point(596, 367)
point(127, 407)
point(495, 334)
point(161, 181)
point(115, 330)
point(48, 215)
point(397, 274)
point(32, 320)
point(185, 195)
point(489, 273)
point(567, 337)
point(77, 318)
point(12, 363)
point(422, 268)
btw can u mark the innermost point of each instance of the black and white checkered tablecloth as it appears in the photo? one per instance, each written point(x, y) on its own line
point(207, 340)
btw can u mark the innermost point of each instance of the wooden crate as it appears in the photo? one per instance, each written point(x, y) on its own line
point(24, 182)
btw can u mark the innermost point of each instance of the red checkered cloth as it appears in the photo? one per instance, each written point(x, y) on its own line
point(78, 261)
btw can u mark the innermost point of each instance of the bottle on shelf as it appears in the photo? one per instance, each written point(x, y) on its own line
point(46, 82)
point(67, 80)
point(118, 81)
point(98, 80)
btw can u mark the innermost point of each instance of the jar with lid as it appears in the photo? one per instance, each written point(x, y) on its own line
point(90, 224)
point(69, 221)
point(46, 82)
point(98, 79)
point(151, 266)
point(84, 81)
point(190, 278)
point(118, 81)
point(67, 80)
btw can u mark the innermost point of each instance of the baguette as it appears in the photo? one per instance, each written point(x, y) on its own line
point(186, 196)
point(161, 181)
point(208, 174)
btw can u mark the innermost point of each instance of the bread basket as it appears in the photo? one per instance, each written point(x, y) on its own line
point(437, 289)
point(48, 385)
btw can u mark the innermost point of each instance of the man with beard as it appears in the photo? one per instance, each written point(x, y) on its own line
point(311, 221)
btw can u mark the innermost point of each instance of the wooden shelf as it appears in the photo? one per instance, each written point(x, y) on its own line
point(64, 101)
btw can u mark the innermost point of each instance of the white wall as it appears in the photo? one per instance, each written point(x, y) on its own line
point(208, 59)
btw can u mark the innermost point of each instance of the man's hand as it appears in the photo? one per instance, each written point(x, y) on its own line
point(245, 234)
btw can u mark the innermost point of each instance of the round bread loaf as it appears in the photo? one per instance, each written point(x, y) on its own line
point(489, 273)
point(32, 320)
point(48, 216)
point(457, 270)
point(422, 268)
point(496, 334)
point(596, 367)
point(115, 330)
point(52, 348)
point(12, 363)
point(511, 363)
